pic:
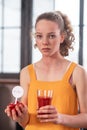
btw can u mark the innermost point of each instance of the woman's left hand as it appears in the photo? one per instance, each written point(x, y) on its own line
point(48, 114)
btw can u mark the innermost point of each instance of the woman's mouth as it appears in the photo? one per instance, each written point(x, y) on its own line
point(45, 49)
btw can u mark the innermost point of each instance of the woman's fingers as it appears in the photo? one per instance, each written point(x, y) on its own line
point(47, 114)
point(15, 112)
point(48, 118)
point(54, 120)
point(8, 112)
point(47, 109)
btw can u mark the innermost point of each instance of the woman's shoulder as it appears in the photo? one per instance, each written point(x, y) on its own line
point(24, 69)
point(79, 69)
point(25, 72)
point(79, 73)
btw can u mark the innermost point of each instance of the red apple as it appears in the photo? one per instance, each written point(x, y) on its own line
point(12, 105)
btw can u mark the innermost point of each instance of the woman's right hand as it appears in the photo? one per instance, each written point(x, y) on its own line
point(18, 113)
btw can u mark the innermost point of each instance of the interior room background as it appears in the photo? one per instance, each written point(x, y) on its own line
point(17, 19)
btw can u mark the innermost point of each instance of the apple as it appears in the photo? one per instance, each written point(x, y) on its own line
point(13, 105)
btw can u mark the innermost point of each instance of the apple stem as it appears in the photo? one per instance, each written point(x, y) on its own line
point(15, 100)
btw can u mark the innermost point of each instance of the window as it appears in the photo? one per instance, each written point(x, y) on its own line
point(10, 27)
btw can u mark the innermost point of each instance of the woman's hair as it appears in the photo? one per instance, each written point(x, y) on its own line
point(65, 27)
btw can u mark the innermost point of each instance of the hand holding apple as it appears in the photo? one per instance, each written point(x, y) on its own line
point(13, 105)
point(17, 110)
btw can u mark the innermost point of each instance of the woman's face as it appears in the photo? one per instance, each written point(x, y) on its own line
point(48, 37)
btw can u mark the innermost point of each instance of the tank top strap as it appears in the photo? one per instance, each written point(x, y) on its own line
point(69, 71)
point(31, 72)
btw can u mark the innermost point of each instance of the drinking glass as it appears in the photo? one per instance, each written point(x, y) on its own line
point(44, 97)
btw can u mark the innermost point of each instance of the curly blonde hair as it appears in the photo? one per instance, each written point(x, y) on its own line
point(65, 27)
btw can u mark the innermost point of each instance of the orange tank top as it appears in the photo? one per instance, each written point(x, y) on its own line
point(64, 99)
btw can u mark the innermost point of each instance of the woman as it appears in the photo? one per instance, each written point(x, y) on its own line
point(68, 80)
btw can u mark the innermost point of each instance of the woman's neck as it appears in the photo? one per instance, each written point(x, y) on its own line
point(51, 61)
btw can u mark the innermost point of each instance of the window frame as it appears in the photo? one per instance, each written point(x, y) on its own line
point(26, 42)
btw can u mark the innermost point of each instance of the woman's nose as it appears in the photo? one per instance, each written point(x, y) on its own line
point(45, 40)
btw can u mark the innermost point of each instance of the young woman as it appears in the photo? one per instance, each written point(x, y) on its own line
point(68, 80)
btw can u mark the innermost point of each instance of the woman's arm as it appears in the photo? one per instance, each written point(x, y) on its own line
point(20, 114)
point(24, 83)
point(80, 81)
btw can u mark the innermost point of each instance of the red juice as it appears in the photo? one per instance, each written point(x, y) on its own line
point(43, 101)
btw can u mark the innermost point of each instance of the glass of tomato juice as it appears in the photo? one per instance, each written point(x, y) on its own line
point(44, 97)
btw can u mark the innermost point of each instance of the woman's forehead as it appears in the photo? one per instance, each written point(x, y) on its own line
point(46, 25)
point(44, 21)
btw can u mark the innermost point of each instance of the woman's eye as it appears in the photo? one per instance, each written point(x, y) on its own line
point(38, 36)
point(52, 36)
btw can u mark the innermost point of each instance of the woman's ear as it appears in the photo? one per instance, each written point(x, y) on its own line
point(62, 38)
